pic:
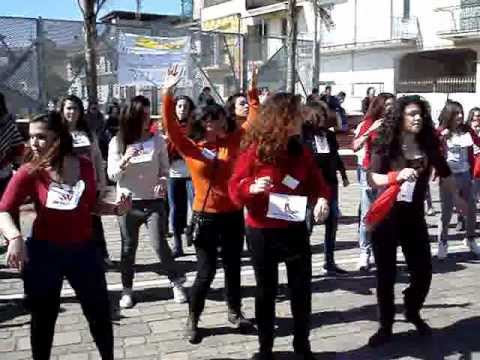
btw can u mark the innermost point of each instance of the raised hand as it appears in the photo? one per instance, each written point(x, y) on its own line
point(254, 80)
point(174, 75)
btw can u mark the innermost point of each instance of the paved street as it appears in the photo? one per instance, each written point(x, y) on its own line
point(344, 313)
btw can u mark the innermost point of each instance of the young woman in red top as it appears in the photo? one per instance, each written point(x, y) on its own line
point(62, 187)
point(217, 221)
point(275, 178)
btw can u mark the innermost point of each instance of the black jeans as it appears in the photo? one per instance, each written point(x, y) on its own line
point(268, 248)
point(99, 235)
point(43, 278)
point(152, 214)
point(331, 225)
point(214, 233)
point(180, 197)
point(408, 229)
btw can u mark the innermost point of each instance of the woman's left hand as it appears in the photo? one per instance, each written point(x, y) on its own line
point(160, 190)
point(123, 205)
point(321, 210)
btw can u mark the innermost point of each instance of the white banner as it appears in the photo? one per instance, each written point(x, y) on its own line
point(144, 60)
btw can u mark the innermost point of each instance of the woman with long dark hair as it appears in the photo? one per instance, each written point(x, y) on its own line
point(86, 143)
point(324, 146)
point(138, 162)
point(217, 222)
point(407, 150)
point(457, 144)
point(62, 186)
point(473, 121)
point(237, 110)
point(180, 189)
point(276, 178)
point(379, 107)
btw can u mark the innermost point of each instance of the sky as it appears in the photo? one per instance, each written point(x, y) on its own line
point(68, 9)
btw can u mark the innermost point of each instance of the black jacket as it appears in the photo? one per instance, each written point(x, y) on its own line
point(329, 163)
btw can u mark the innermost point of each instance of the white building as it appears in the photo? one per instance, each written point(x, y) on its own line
point(401, 46)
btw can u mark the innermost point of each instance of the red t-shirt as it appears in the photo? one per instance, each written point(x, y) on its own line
point(248, 167)
point(368, 145)
point(63, 227)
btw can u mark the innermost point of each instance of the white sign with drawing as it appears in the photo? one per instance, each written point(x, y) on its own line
point(321, 145)
point(406, 191)
point(143, 152)
point(287, 207)
point(80, 139)
point(63, 196)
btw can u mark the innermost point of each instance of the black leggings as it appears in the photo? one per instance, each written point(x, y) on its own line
point(216, 234)
point(268, 248)
point(43, 278)
point(409, 230)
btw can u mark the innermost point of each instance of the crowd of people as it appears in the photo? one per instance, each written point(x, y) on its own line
point(259, 172)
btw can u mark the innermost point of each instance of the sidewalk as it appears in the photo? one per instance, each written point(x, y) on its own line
point(344, 312)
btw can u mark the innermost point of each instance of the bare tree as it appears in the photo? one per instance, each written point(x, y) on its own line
point(291, 45)
point(90, 9)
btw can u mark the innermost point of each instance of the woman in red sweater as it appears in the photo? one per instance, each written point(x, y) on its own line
point(275, 178)
point(217, 221)
point(62, 188)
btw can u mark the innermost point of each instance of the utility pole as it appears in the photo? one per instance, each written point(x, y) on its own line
point(316, 48)
point(291, 45)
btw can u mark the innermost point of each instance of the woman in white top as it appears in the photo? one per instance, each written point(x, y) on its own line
point(138, 162)
point(458, 140)
point(86, 143)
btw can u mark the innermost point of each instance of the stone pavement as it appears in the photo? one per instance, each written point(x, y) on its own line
point(343, 316)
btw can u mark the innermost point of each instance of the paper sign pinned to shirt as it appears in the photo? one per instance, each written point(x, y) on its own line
point(143, 152)
point(287, 207)
point(406, 191)
point(64, 197)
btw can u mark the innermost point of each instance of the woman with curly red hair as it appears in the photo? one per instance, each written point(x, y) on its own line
point(275, 178)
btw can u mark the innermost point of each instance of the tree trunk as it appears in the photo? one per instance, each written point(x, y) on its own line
point(90, 28)
point(316, 49)
point(291, 45)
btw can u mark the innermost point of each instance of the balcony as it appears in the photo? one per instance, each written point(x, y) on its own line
point(399, 32)
point(209, 3)
point(459, 22)
point(444, 84)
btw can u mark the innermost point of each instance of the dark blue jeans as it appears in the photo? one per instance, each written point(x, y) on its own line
point(82, 266)
point(331, 225)
point(180, 198)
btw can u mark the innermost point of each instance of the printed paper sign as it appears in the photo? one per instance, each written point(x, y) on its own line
point(209, 154)
point(464, 140)
point(63, 196)
point(287, 207)
point(143, 152)
point(406, 191)
point(321, 145)
point(80, 139)
point(290, 182)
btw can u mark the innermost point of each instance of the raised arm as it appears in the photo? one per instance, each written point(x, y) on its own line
point(253, 100)
point(185, 146)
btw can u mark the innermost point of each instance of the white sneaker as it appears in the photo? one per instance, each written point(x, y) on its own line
point(472, 245)
point(442, 250)
point(363, 262)
point(126, 301)
point(179, 294)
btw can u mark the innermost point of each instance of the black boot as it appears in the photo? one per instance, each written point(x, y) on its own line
point(381, 337)
point(192, 333)
point(238, 320)
point(422, 327)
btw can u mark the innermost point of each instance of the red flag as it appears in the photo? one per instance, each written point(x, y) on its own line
point(382, 206)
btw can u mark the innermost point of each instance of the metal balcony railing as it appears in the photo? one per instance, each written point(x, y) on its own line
point(444, 84)
point(397, 29)
point(458, 20)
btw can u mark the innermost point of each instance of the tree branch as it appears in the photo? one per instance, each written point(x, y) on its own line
point(79, 2)
point(99, 6)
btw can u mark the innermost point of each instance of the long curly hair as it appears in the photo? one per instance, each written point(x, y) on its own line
point(278, 116)
point(389, 140)
point(376, 108)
